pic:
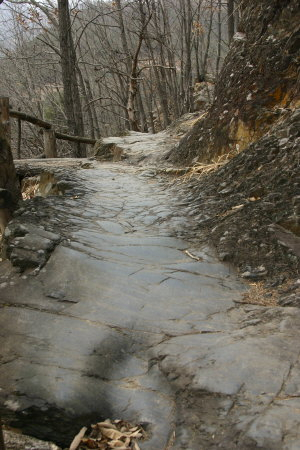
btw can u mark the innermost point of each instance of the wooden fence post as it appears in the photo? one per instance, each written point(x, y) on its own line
point(19, 137)
point(50, 143)
point(4, 117)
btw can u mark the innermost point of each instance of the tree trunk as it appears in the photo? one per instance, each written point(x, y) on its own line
point(125, 46)
point(205, 61)
point(173, 93)
point(72, 102)
point(187, 20)
point(132, 91)
point(219, 36)
point(230, 14)
point(142, 114)
point(87, 106)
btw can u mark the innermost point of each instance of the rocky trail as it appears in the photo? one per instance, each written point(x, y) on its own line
point(130, 318)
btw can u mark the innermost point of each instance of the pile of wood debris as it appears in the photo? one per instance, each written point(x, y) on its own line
point(107, 435)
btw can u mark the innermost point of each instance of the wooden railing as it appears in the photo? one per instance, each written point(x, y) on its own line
point(49, 134)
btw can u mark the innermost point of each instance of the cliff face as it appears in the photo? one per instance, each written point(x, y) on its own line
point(258, 86)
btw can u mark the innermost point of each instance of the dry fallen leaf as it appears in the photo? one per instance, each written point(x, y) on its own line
point(136, 434)
point(111, 433)
point(106, 435)
point(116, 444)
point(90, 443)
point(107, 424)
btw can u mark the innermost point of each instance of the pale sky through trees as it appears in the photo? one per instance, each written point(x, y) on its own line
point(136, 64)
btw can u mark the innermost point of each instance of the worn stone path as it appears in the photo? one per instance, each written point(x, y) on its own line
point(123, 323)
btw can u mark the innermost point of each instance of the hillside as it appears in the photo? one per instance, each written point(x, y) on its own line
point(249, 207)
point(258, 86)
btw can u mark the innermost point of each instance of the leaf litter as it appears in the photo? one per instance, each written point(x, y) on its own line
point(107, 435)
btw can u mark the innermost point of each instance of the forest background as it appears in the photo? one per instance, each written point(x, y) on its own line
point(99, 68)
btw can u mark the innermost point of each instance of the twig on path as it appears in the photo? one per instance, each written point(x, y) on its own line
point(77, 439)
point(192, 256)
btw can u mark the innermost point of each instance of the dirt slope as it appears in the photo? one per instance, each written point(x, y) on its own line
point(250, 207)
point(259, 83)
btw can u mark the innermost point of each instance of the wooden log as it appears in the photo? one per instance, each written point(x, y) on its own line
point(31, 119)
point(50, 144)
point(67, 137)
point(48, 126)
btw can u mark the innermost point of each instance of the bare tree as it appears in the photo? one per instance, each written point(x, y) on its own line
point(105, 66)
point(230, 12)
point(69, 64)
point(219, 36)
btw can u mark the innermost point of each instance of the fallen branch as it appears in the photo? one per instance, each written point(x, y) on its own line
point(192, 256)
point(67, 137)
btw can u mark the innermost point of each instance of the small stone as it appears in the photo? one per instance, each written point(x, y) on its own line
point(246, 274)
point(290, 300)
point(255, 274)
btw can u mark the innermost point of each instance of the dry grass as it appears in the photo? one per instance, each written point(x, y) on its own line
point(29, 187)
point(197, 119)
point(259, 295)
point(200, 169)
point(180, 126)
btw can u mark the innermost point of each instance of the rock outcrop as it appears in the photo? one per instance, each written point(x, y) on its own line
point(107, 151)
point(17, 441)
point(258, 85)
point(203, 95)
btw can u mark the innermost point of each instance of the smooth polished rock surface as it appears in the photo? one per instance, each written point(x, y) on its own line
point(122, 322)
